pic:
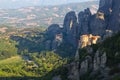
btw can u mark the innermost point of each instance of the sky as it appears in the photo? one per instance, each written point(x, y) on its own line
point(9, 4)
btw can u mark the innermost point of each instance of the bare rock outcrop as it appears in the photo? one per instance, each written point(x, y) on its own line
point(85, 65)
point(98, 24)
point(114, 19)
point(99, 60)
point(84, 19)
point(54, 37)
point(107, 17)
point(73, 71)
point(70, 28)
point(105, 6)
point(111, 10)
point(70, 22)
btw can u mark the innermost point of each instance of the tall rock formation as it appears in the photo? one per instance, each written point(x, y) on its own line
point(114, 20)
point(107, 17)
point(84, 19)
point(94, 62)
point(70, 22)
point(111, 11)
point(105, 6)
point(91, 24)
point(97, 24)
point(102, 24)
point(70, 28)
point(105, 22)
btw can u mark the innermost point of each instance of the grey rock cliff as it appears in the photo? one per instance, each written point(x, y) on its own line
point(70, 22)
point(54, 37)
point(114, 20)
point(111, 10)
point(84, 19)
point(105, 6)
point(73, 71)
point(107, 17)
point(70, 28)
point(97, 24)
point(99, 60)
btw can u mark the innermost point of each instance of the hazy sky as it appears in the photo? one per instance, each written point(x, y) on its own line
point(25, 3)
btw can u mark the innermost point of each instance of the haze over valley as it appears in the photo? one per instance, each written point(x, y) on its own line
point(42, 16)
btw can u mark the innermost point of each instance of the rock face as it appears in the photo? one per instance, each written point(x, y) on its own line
point(70, 22)
point(114, 20)
point(57, 38)
point(107, 17)
point(73, 71)
point(96, 61)
point(99, 61)
point(111, 10)
point(54, 37)
point(84, 65)
point(97, 24)
point(70, 28)
point(91, 24)
point(105, 6)
point(93, 63)
point(84, 19)
point(103, 60)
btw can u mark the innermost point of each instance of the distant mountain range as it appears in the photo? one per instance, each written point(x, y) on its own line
point(13, 4)
point(42, 16)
